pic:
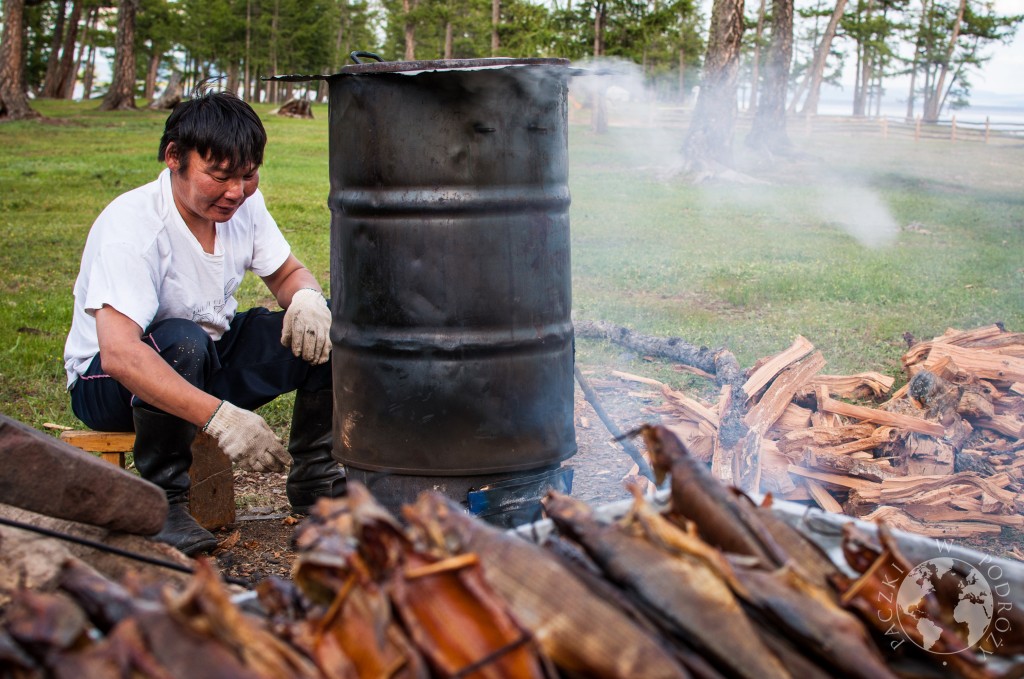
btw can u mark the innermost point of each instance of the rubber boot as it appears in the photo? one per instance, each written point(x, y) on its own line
point(163, 455)
point(314, 473)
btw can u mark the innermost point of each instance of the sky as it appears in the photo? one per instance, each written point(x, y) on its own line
point(1004, 74)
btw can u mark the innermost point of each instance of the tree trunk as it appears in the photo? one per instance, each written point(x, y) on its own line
point(863, 61)
point(273, 87)
point(495, 21)
point(232, 84)
point(709, 138)
point(755, 67)
point(87, 74)
point(810, 107)
point(867, 68)
point(151, 72)
point(13, 99)
point(171, 94)
point(408, 6)
point(72, 75)
point(769, 128)
point(933, 103)
point(246, 92)
point(682, 75)
point(51, 84)
point(448, 39)
point(121, 95)
point(599, 117)
point(67, 69)
point(916, 63)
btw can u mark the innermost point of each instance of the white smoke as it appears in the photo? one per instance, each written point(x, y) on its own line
point(860, 211)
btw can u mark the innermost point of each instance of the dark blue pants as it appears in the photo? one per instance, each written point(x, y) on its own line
point(248, 366)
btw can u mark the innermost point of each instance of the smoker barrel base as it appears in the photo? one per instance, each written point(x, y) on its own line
point(505, 500)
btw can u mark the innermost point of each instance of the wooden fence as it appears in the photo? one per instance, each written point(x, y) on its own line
point(950, 129)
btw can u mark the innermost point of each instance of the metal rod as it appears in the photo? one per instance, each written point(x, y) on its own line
point(626, 444)
point(113, 550)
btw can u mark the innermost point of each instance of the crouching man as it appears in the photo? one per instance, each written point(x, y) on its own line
point(157, 344)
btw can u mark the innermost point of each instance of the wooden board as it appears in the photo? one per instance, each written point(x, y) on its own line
point(100, 441)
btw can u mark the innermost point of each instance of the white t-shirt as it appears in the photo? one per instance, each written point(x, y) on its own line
point(141, 259)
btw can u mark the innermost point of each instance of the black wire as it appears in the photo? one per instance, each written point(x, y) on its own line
point(113, 550)
point(623, 439)
point(491, 657)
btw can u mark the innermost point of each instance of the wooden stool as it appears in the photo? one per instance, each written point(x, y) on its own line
point(212, 493)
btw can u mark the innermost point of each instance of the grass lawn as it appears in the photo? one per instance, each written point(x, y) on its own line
point(853, 242)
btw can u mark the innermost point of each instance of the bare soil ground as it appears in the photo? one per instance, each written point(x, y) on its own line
point(258, 544)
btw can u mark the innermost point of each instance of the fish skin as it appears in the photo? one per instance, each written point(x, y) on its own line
point(873, 591)
point(814, 622)
point(700, 497)
point(803, 554)
point(205, 608)
point(689, 599)
point(578, 631)
point(454, 619)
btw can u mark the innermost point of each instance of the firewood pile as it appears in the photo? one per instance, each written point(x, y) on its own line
point(708, 585)
point(940, 457)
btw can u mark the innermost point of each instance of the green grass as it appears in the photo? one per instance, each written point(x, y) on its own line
point(744, 266)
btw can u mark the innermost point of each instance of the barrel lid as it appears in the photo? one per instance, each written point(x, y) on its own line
point(413, 67)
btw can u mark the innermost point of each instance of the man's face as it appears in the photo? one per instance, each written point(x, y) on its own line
point(205, 191)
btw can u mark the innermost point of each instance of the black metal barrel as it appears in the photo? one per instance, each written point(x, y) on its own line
point(450, 272)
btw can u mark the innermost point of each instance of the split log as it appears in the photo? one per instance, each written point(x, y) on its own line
point(940, 513)
point(866, 385)
point(927, 456)
point(699, 443)
point(985, 337)
point(837, 440)
point(762, 416)
point(914, 424)
point(983, 364)
point(822, 497)
point(48, 476)
point(793, 418)
point(775, 477)
point(840, 480)
point(899, 519)
point(824, 437)
point(764, 374)
point(844, 464)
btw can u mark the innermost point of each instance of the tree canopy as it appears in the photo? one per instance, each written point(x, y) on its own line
point(935, 44)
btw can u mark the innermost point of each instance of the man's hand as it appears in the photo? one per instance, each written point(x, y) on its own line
point(247, 439)
point(307, 327)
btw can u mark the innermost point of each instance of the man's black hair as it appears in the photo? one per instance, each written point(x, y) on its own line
point(219, 126)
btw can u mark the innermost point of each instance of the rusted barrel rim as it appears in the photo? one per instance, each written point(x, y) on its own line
point(409, 67)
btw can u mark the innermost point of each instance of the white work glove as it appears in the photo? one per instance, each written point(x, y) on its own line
point(307, 327)
point(247, 439)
